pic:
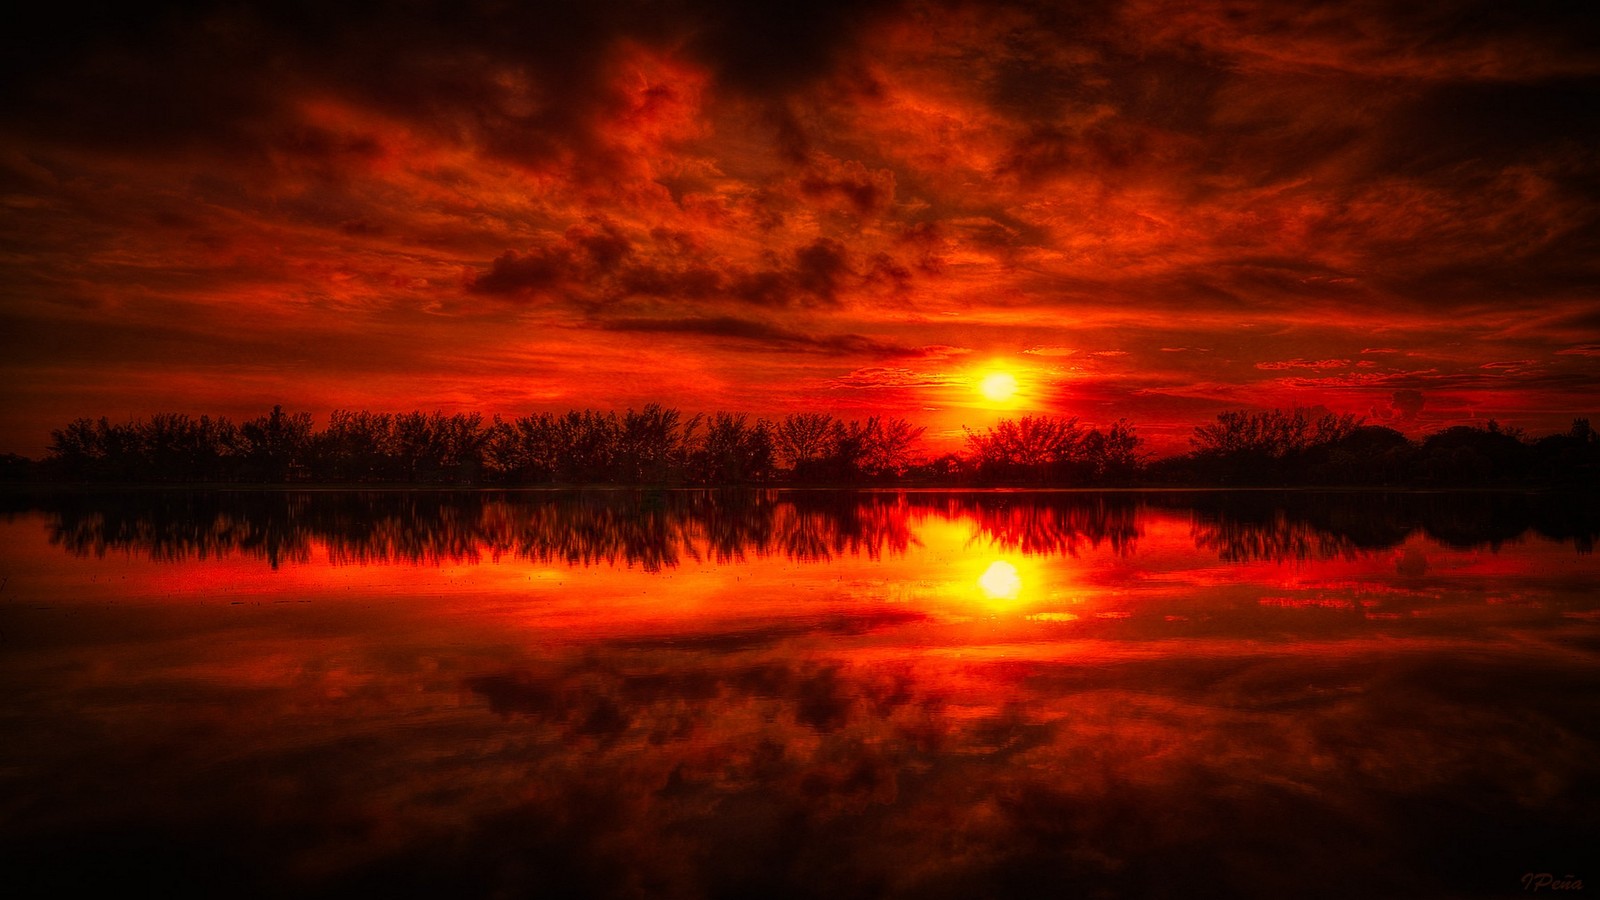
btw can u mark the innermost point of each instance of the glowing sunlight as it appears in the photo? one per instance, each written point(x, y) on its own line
point(1001, 581)
point(998, 387)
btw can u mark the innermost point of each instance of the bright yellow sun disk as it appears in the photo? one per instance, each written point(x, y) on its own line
point(998, 387)
point(1001, 581)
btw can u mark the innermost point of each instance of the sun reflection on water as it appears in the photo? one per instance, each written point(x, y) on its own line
point(1000, 581)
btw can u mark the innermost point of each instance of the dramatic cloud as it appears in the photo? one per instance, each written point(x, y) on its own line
point(763, 334)
point(1144, 208)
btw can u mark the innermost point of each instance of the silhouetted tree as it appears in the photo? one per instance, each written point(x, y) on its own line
point(276, 445)
point(527, 449)
point(357, 447)
point(585, 445)
point(75, 453)
point(1463, 454)
point(101, 451)
point(1032, 448)
point(1370, 454)
point(457, 444)
point(949, 468)
point(734, 452)
point(1273, 434)
point(876, 449)
point(1264, 446)
point(1112, 455)
point(650, 446)
point(805, 441)
point(1572, 457)
point(15, 468)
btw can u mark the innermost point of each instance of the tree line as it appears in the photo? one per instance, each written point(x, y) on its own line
point(655, 445)
point(1298, 447)
point(661, 446)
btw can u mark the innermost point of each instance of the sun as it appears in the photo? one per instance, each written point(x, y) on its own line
point(998, 387)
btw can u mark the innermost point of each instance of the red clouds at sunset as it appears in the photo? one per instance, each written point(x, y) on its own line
point(1144, 209)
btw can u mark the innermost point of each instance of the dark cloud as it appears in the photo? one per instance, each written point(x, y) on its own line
point(597, 264)
point(819, 267)
point(586, 252)
point(772, 48)
point(537, 271)
point(1471, 40)
point(525, 80)
point(1491, 125)
point(1304, 364)
point(756, 332)
point(1108, 149)
point(603, 243)
point(692, 281)
point(864, 191)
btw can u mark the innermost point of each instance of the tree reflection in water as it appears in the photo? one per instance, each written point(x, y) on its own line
point(657, 530)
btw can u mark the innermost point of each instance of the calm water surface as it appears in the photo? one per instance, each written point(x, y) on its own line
point(625, 694)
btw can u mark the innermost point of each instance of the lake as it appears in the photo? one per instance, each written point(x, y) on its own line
point(692, 694)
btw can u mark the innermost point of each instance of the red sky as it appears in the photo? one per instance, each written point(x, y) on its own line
point(1148, 209)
